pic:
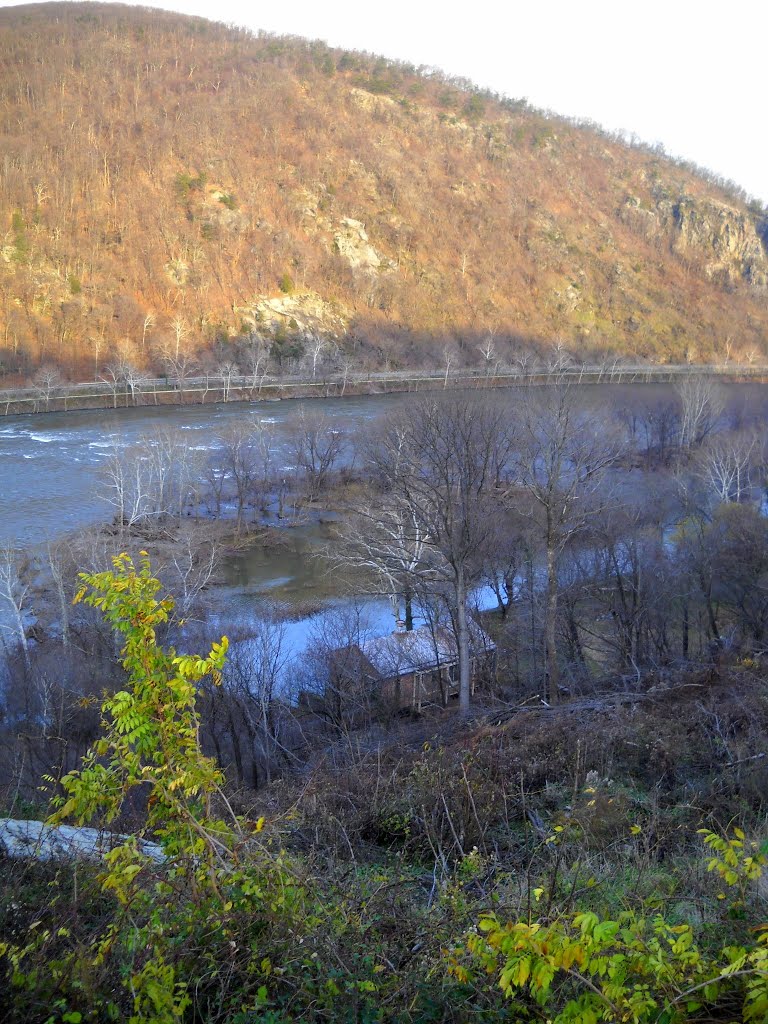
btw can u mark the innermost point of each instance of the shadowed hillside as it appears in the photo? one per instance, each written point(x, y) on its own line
point(175, 190)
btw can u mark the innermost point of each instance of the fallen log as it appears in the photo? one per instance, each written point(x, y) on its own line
point(37, 840)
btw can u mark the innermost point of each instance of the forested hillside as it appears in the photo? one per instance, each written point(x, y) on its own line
point(173, 189)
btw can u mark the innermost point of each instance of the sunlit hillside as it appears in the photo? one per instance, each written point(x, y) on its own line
point(175, 189)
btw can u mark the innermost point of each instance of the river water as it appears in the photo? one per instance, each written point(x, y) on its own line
point(50, 483)
point(49, 464)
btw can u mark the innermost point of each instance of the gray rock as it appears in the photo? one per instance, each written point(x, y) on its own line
point(63, 842)
point(724, 238)
point(352, 243)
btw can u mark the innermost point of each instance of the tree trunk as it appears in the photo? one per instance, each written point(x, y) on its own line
point(685, 630)
point(236, 749)
point(532, 603)
point(408, 598)
point(706, 590)
point(462, 643)
point(550, 645)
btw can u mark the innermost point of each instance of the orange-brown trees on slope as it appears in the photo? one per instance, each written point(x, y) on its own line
point(155, 162)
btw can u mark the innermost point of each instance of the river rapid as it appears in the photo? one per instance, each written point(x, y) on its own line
point(49, 463)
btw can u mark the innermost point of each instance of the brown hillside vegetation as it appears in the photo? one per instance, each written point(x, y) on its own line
point(173, 189)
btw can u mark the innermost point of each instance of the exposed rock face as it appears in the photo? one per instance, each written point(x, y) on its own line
point(641, 218)
point(369, 101)
point(220, 209)
point(420, 209)
point(352, 243)
point(305, 312)
point(728, 245)
point(726, 240)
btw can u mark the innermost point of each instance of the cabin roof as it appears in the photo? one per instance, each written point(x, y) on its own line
point(419, 650)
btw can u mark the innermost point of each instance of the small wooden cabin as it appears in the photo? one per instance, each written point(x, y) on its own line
point(410, 668)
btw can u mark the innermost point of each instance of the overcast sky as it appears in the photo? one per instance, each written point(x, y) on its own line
point(691, 75)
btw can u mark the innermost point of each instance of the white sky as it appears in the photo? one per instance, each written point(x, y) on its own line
point(691, 75)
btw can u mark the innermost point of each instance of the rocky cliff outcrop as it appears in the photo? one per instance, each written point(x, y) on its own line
point(728, 244)
point(304, 313)
point(299, 192)
point(351, 241)
point(725, 239)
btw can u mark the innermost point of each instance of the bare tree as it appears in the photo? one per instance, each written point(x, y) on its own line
point(701, 402)
point(449, 358)
point(623, 570)
point(318, 445)
point(724, 464)
point(659, 426)
point(443, 462)
point(180, 332)
point(737, 554)
point(227, 371)
point(135, 380)
point(384, 538)
point(254, 677)
point(559, 358)
point(347, 366)
point(503, 561)
point(330, 668)
point(129, 485)
point(488, 352)
point(15, 586)
point(214, 476)
point(45, 382)
point(114, 377)
point(315, 351)
point(246, 458)
point(191, 566)
point(255, 359)
point(179, 368)
point(149, 321)
point(175, 468)
point(562, 460)
point(63, 573)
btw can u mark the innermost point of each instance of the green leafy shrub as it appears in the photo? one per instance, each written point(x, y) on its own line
point(186, 183)
point(634, 968)
point(216, 889)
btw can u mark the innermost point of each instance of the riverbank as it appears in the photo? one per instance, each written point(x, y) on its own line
point(212, 389)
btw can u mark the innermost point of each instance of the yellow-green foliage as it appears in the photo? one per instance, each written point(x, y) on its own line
point(173, 922)
point(635, 968)
point(151, 728)
point(229, 927)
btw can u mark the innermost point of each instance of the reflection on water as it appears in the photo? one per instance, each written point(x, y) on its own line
point(289, 569)
point(292, 579)
point(49, 484)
